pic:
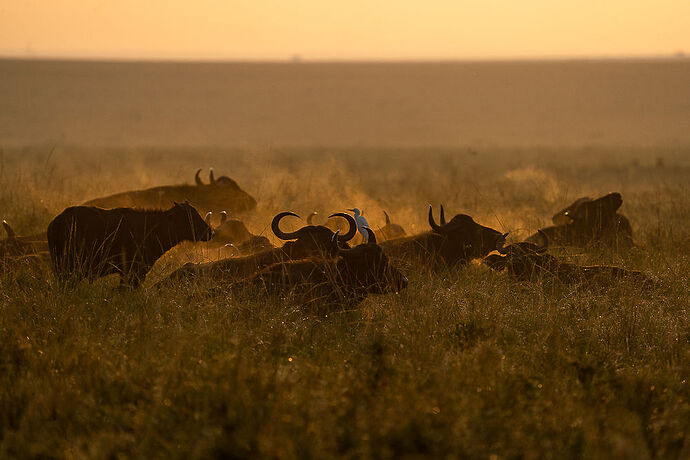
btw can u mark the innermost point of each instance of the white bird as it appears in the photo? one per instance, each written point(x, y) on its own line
point(361, 223)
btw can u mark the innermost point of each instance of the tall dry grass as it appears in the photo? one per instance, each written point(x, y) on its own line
point(464, 363)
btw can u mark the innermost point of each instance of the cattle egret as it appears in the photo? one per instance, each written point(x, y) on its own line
point(361, 223)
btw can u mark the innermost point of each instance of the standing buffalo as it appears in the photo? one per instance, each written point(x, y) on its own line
point(89, 242)
point(446, 245)
point(589, 221)
point(218, 194)
point(305, 242)
point(324, 284)
point(529, 261)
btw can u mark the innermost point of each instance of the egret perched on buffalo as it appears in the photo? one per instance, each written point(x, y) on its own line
point(362, 224)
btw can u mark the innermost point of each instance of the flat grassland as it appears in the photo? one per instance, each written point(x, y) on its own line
point(464, 363)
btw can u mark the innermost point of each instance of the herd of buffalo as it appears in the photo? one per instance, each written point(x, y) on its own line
point(128, 232)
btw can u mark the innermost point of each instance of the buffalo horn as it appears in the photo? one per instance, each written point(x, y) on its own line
point(211, 179)
point(432, 222)
point(276, 229)
point(388, 219)
point(8, 229)
point(197, 179)
point(443, 216)
point(352, 231)
point(371, 239)
point(310, 217)
point(223, 217)
point(207, 219)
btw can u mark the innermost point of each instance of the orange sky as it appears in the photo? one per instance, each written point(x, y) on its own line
point(352, 29)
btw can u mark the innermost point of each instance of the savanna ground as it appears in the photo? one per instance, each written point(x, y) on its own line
point(464, 363)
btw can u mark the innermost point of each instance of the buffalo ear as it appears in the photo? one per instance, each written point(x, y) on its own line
point(175, 203)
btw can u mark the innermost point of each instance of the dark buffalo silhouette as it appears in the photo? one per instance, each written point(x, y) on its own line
point(452, 243)
point(18, 246)
point(305, 242)
point(390, 230)
point(89, 242)
point(322, 285)
point(588, 221)
point(218, 194)
point(529, 262)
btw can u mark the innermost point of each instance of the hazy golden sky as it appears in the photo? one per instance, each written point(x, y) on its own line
point(350, 29)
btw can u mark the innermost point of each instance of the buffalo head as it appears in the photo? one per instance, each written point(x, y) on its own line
point(465, 239)
point(185, 220)
point(312, 238)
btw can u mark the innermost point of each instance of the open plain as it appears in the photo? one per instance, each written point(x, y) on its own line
point(464, 363)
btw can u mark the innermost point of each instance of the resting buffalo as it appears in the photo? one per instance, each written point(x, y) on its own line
point(390, 230)
point(305, 242)
point(529, 261)
point(446, 245)
point(88, 242)
point(324, 284)
point(233, 232)
point(589, 221)
point(218, 194)
point(17, 246)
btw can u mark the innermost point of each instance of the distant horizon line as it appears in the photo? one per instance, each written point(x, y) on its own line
point(298, 59)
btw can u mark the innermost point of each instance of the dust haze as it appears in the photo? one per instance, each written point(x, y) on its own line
point(539, 103)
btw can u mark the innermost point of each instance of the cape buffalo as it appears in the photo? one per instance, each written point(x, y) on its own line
point(305, 242)
point(588, 221)
point(528, 262)
point(322, 285)
point(17, 246)
point(218, 194)
point(89, 242)
point(233, 232)
point(390, 230)
point(446, 245)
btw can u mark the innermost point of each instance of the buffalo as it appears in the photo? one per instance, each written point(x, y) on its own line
point(588, 221)
point(305, 242)
point(390, 230)
point(89, 242)
point(322, 285)
point(17, 246)
point(528, 262)
point(452, 243)
point(218, 194)
point(234, 233)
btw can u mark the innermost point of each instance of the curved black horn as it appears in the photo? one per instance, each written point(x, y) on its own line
point(544, 237)
point(500, 244)
point(443, 216)
point(8, 229)
point(310, 217)
point(211, 179)
point(432, 222)
point(208, 217)
point(352, 231)
point(223, 217)
point(276, 229)
point(197, 179)
point(388, 219)
point(371, 238)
